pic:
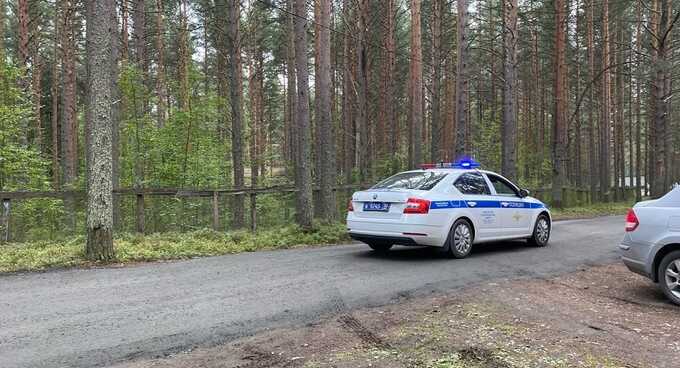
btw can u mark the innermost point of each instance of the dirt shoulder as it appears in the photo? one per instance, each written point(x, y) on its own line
point(597, 317)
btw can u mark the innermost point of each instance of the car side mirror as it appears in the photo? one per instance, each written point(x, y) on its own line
point(524, 193)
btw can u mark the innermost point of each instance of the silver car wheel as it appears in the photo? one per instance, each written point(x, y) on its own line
point(673, 277)
point(542, 230)
point(462, 238)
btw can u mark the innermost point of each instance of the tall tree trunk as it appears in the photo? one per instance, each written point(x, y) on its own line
point(54, 91)
point(236, 95)
point(660, 92)
point(23, 33)
point(115, 116)
point(348, 100)
point(161, 88)
point(462, 106)
point(99, 245)
point(620, 115)
point(509, 127)
point(386, 109)
point(436, 129)
point(304, 184)
point(124, 32)
point(592, 128)
point(324, 123)
point(69, 116)
point(605, 123)
point(638, 119)
point(291, 137)
point(141, 53)
point(416, 87)
point(559, 127)
point(361, 84)
point(184, 57)
point(3, 17)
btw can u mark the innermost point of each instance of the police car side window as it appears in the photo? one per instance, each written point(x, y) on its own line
point(503, 188)
point(472, 183)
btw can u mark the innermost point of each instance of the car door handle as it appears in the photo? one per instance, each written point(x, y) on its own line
point(472, 204)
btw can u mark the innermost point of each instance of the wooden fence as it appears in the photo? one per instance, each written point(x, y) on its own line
point(141, 194)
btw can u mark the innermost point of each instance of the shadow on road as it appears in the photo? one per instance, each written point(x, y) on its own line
point(411, 254)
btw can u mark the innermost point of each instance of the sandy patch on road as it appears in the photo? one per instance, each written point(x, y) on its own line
point(597, 317)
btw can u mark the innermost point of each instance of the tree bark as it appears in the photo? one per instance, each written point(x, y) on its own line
point(509, 126)
point(69, 115)
point(638, 119)
point(304, 209)
point(592, 127)
point(291, 137)
point(324, 123)
point(559, 127)
point(236, 104)
point(99, 245)
point(436, 154)
point(605, 123)
point(124, 32)
point(54, 90)
point(141, 50)
point(183, 57)
point(416, 87)
point(361, 141)
point(348, 98)
point(386, 111)
point(462, 108)
point(161, 88)
point(23, 39)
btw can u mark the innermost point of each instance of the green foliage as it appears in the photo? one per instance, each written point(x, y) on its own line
point(186, 151)
point(21, 165)
point(167, 246)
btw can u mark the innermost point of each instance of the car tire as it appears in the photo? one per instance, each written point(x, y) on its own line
point(669, 276)
point(542, 230)
point(380, 247)
point(459, 242)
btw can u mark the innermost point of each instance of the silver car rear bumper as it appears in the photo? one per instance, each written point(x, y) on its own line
point(635, 257)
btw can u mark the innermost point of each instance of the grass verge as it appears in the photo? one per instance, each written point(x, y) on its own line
point(33, 256)
point(590, 211)
point(41, 255)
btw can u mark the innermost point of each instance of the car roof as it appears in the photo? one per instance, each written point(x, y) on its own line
point(453, 170)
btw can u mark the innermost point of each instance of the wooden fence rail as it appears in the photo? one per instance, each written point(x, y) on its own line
point(140, 194)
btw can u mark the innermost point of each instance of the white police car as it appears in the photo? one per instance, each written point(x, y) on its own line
point(451, 206)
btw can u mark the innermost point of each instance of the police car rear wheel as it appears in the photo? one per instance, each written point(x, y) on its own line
point(380, 247)
point(461, 236)
point(541, 234)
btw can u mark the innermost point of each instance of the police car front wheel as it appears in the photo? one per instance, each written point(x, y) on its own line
point(541, 233)
point(459, 242)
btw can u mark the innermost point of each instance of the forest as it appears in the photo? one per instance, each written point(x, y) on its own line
point(572, 99)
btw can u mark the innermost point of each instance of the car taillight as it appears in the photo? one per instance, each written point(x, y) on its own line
point(417, 205)
point(350, 206)
point(632, 221)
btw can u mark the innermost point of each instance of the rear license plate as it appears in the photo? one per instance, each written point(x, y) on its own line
point(376, 207)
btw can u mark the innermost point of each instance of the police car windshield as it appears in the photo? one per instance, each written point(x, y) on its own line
point(420, 180)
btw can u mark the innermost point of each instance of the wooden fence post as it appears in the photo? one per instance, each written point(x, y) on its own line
point(140, 213)
point(216, 211)
point(253, 211)
point(4, 220)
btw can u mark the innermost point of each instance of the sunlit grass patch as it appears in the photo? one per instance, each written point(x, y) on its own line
point(593, 210)
point(31, 256)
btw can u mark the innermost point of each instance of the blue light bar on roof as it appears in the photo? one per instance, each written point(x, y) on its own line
point(463, 163)
point(466, 163)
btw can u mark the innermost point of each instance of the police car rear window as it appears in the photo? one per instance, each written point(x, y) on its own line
point(472, 183)
point(424, 180)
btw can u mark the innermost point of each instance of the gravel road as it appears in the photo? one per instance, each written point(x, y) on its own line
point(100, 317)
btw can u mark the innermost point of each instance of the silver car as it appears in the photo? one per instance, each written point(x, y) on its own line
point(651, 246)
